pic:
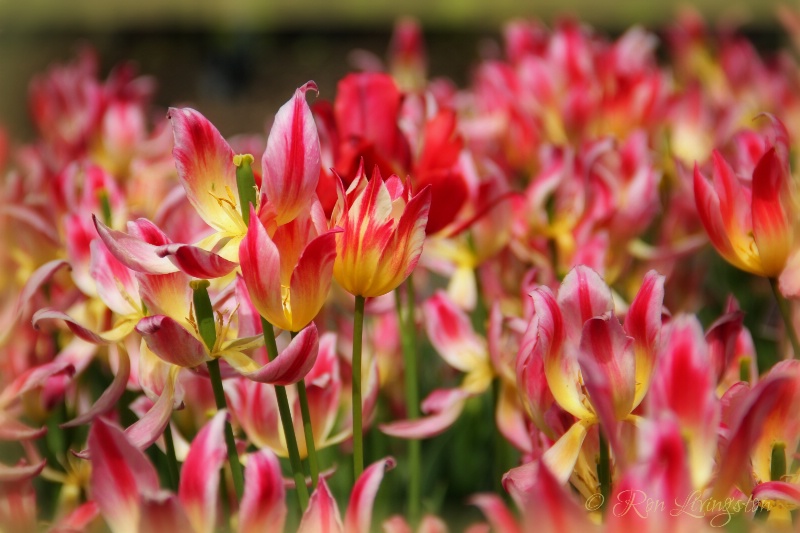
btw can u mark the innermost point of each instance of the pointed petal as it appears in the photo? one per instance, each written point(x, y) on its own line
point(358, 517)
point(643, 323)
point(493, 508)
point(132, 251)
point(451, 333)
point(322, 514)
point(163, 512)
point(608, 366)
point(311, 279)
point(14, 430)
point(778, 490)
point(205, 167)
point(200, 474)
point(443, 408)
point(291, 162)
point(116, 284)
point(166, 294)
point(34, 377)
point(108, 400)
point(292, 364)
point(560, 459)
point(263, 507)
point(147, 429)
point(77, 520)
point(196, 262)
point(171, 341)
point(78, 329)
point(772, 225)
point(261, 269)
point(37, 279)
point(583, 295)
point(14, 474)
point(121, 473)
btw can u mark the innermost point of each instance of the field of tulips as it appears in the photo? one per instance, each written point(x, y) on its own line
point(560, 298)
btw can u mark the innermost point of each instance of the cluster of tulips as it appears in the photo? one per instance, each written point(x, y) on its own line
point(196, 342)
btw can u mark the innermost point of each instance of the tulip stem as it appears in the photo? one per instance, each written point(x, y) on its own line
point(204, 315)
point(786, 314)
point(358, 436)
point(409, 343)
point(286, 421)
point(172, 461)
point(308, 430)
point(604, 468)
point(230, 442)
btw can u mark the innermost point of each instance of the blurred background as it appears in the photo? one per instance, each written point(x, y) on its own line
point(238, 60)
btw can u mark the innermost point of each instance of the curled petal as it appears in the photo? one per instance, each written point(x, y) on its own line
point(291, 365)
point(133, 252)
point(778, 490)
point(443, 408)
point(12, 474)
point(195, 261)
point(147, 429)
point(14, 430)
point(121, 473)
point(291, 162)
point(263, 504)
point(108, 400)
point(77, 328)
point(200, 474)
point(322, 514)
point(34, 377)
point(40, 276)
point(358, 517)
point(451, 333)
point(171, 341)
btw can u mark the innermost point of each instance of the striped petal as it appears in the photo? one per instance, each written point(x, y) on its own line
point(291, 365)
point(121, 473)
point(451, 333)
point(322, 514)
point(171, 341)
point(583, 295)
point(163, 512)
point(772, 224)
point(196, 262)
point(560, 459)
point(134, 252)
point(311, 280)
point(643, 323)
point(291, 162)
point(494, 508)
point(116, 284)
point(200, 475)
point(263, 507)
point(261, 269)
point(205, 167)
point(358, 517)
point(443, 408)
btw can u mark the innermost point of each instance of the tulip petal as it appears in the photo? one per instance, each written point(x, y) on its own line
point(261, 270)
point(772, 225)
point(14, 474)
point(311, 279)
point(322, 514)
point(358, 517)
point(583, 295)
point(172, 342)
point(163, 512)
point(443, 408)
point(200, 474)
point(78, 329)
point(205, 167)
point(14, 430)
point(263, 506)
point(643, 323)
point(778, 490)
point(493, 507)
point(37, 279)
point(196, 262)
point(608, 366)
point(77, 520)
point(166, 294)
point(132, 251)
point(108, 400)
point(116, 284)
point(291, 365)
point(34, 377)
point(451, 333)
point(291, 162)
point(147, 429)
point(560, 459)
point(121, 473)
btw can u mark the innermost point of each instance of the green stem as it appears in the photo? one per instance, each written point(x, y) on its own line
point(286, 421)
point(308, 430)
point(204, 315)
point(786, 314)
point(358, 435)
point(409, 343)
point(233, 454)
point(604, 468)
point(172, 461)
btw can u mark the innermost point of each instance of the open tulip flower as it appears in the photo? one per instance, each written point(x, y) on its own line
point(383, 229)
